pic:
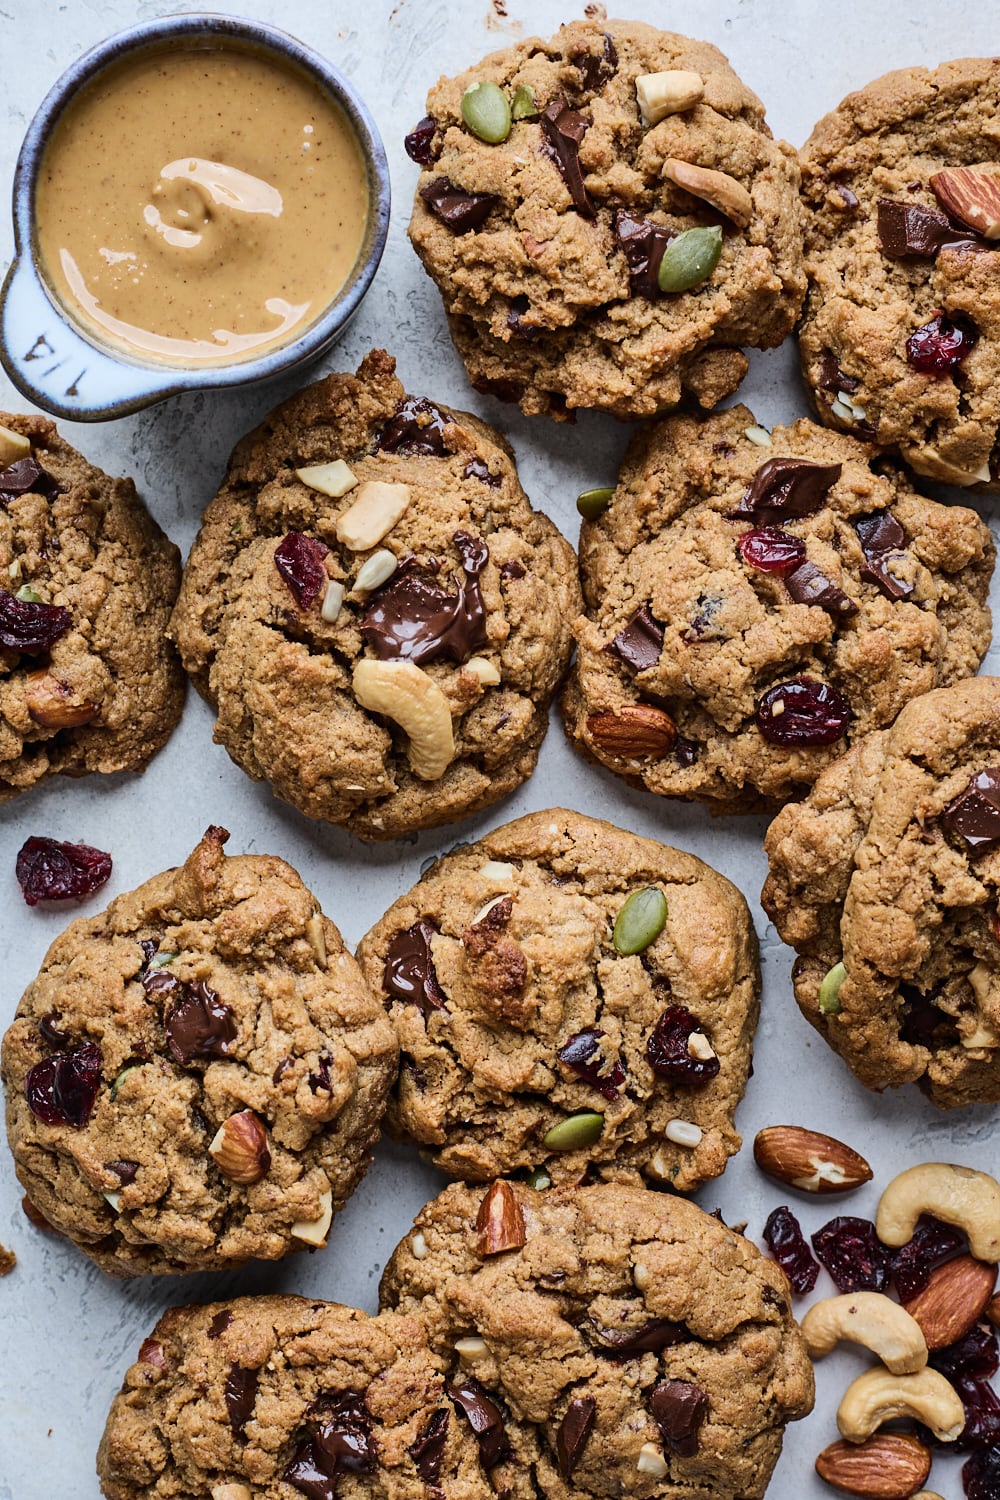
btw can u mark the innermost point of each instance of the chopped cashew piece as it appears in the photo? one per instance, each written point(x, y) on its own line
point(405, 693)
point(315, 1231)
point(329, 479)
point(959, 1195)
point(718, 188)
point(879, 1396)
point(12, 447)
point(419, 1246)
point(669, 93)
point(651, 1461)
point(871, 1319)
point(487, 672)
point(231, 1492)
point(376, 509)
point(333, 602)
point(471, 1349)
point(317, 937)
point(497, 872)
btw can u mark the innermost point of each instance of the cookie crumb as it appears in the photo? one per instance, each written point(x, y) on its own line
point(8, 1260)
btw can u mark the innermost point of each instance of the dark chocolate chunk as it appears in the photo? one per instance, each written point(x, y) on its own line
point(906, 229)
point(832, 377)
point(30, 627)
point(199, 1025)
point(159, 981)
point(974, 815)
point(640, 642)
point(484, 1417)
point(124, 1170)
point(219, 1324)
point(564, 129)
point(415, 619)
point(462, 212)
point(241, 1393)
point(786, 487)
point(512, 569)
point(417, 427)
point(150, 947)
point(344, 1440)
point(419, 144)
point(321, 1079)
point(476, 469)
point(574, 1430)
point(281, 1070)
point(882, 538)
point(847, 196)
point(642, 243)
point(595, 72)
point(650, 1338)
point(50, 1032)
point(808, 584)
point(582, 1054)
point(26, 477)
point(517, 320)
point(428, 1450)
point(303, 1473)
point(409, 969)
point(679, 1408)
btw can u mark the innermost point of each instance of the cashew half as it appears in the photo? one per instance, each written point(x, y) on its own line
point(871, 1319)
point(878, 1396)
point(404, 692)
point(717, 188)
point(959, 1195)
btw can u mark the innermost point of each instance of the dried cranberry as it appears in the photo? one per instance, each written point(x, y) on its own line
point(582, 1053)
point(667, 1048)
point(771, 550)
point(783, 1237)
point(853, 1254)
point(982, 1413)
point(981, 1475)
point(29, 627)
point(932, 1245)
point(299, 560)
point(976, 1357)
point(802, 711)
point(418, 144)
point(48, 870)
point(62, 1088)
point(941, 344)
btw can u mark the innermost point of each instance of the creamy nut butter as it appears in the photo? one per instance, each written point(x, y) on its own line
point(200, 206)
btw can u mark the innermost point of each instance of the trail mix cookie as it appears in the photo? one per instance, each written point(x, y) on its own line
point(885, 881)
point(569, 998)
point(755, 603)
point(276, 1397)
point(375, 610)
point(608, 220)
point(198, 1073)
point(901, 336)
point(88, 681)
point(653, 1347)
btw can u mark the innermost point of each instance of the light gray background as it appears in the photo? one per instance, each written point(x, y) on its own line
point(66, 1332)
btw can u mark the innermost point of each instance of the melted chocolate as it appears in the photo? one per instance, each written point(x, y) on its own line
point(657, 1334)
point(340, 1444)
point(198, 1025)
point(50, 1031)
point(26, 477)
point(484, 1417)
point(517, 320)
point(462, 212)
point(642, 244)
point(582, 1054)
point(881, 537)
point(417, 427)
point(219, 1324)
point(564, 130)
point(974, 815)
point(640, 642)
point(808, 584)
point(428, 1450)
point(241, 1393)
point(832, 377)
point(595, 72)
point(679, 1408)
point(409, 973)
point(414, 619)
point(574, 1430)
point(909, 229)
point(785, 487)
point(476, 469)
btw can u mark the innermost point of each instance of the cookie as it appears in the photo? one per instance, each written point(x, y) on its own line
point(653, 1347)
point(552, 245)
point(267, 1398)
point(198, 1073)
point(755, 603)
point(573, 999)
point(885, 882)
point(88, 681)
point(374, 609)
point(901, 333)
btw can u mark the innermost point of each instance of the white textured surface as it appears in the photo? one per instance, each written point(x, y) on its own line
point(66, 1332)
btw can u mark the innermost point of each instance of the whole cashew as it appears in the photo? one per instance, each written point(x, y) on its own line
point(959, 1195)
point(878, 1396)
point(404, 692)
point(871, 1319)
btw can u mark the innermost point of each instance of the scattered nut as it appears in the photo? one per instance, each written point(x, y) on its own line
point(372, 516)
point(971, 197)
point(848, 410)
point(404, 692)
point(114, 1200)
point(878, 1396)
point(700, 1047)
point(334, 479)
point(959, 1195)
point(640, 1275)
point(53, 704)
point(471, 1350)
point(314, 1231)
point(240, 1148)
point(333, 602)
point(12, 447)
point(485, 910)
point(808, 1160)
point(317, 937)
point(669, 93)
point(651, 1461)
point(886, 1467)
point(683, 1133)
point(496, 872)
point(953, 1300)
point(500, 1222)
point(758, 435)
point(418, 1246)
point(487, 671)
point(871, 1319)
point(8, 1260)
point(717, 188)
point(380, 566)
point(231, 1492)
point(636, 731)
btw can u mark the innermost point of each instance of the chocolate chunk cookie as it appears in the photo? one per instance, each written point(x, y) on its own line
point(885, 881)
point(608, 220)
point(375, 610)
point(268, 1398)
point(755, 603)
point(901, 336)
point(88, 680)
point(573, 998)
point(198, 1073)
point(653, 1347)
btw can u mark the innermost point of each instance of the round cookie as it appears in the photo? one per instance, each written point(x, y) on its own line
point(518, 1015)
point(900, 340)
point(269, 1398)
point(547, 247)
point(384, 655)
point(88, 681)
point(653, 1347)
point(198, 1073)
point(885, 881)
point(755, 604)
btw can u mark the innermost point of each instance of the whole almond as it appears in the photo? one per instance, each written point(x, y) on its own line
point(53, 704)
point(971, 197)
point(500, 1222)
point(993, 1310)
point(953, 1300)
point(809, 1160)
point(889, 1466)
point(240, 1148)
point(637, 730)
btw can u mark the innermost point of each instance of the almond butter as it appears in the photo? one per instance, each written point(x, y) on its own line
point(953, 1300)
point(636, 731)
point(808, 1160)
point(53, 703)
point(971, 197)
point(240, 1148)
point(889, 1466)
point(500, 1222)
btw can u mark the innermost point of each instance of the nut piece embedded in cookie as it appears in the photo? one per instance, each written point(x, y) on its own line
point(239, 1148)
point(499, 1222)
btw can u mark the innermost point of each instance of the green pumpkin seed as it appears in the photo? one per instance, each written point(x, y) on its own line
point(486, 112)
point(160, 960)
point(575, 1132)
point(121, 1079)
point(688, 259)
point(593, 503)
point(829, 990)
point(640, 920)
point(28, 595)
point(539, 1179)
point(524, 106)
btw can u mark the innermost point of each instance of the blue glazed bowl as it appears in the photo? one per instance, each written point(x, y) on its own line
point(66, 370)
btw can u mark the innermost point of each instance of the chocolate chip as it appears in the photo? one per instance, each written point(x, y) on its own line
point(650, 1338)
point(484, 1417)
point(409, 973)
point(219, 1323)
point(512, 569)
point(595, 72)
point(428, 1450)
point(906, 229)
point(786, 487)
point(564, 130)
point(124, 1170)
point(574, 1430)
point(280, 1071)
point(26, 477)
point(415, 619)
point(808, 584)
point(847, 195)
point(642, 243)
point(241, 1393)
point(419, 144)
point(974, 815)
point(417, 427)
point(582, 1054)
point(685, 751)
point(50, 1032)
point(832, 377)
point(517, 319)
point(679, 1408)
point(882, 538)
point(199, 1025)
point(321, 1079)
point(476, 469)
point(462, 212)
point(640, 642)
